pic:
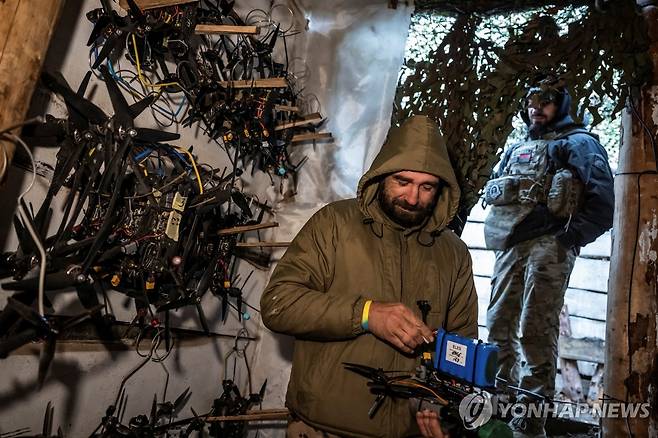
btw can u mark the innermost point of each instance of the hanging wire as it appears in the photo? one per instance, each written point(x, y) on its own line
point(27, 221)
point(239, 352)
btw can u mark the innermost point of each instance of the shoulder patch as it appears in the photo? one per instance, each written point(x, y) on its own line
point(600, 164)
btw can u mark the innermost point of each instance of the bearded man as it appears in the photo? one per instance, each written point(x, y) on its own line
point(348, 288)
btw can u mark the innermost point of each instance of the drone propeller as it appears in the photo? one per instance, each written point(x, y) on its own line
point(80, 110)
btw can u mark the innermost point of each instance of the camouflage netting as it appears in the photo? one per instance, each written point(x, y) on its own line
point(472, 84)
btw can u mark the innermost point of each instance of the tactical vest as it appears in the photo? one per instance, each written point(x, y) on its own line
point(526, 181)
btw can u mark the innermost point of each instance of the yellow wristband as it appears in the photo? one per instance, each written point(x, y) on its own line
point(364, 315)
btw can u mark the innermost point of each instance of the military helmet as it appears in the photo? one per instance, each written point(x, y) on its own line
point(550, 89)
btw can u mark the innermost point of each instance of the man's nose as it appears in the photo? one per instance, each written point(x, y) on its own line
point(411, 195)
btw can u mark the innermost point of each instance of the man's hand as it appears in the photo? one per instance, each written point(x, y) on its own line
point(397, 324)
point(428, 423)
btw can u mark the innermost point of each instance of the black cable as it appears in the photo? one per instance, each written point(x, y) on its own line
point(646, 130)
point(37, 119)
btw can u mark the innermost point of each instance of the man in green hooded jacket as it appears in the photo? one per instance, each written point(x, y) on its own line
point(347, 287)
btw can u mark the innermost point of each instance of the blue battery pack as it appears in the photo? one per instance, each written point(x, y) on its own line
point(466, 359)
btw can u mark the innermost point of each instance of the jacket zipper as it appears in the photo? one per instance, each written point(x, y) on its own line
point(401, 242)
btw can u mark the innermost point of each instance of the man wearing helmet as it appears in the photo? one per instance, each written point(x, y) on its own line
point(551, 195)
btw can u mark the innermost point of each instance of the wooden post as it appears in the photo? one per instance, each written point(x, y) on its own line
point(572, 385)
point(25, 30)
point(631, 369)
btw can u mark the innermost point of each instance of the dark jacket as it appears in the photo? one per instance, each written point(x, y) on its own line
point(350, 252)
point(580, 152)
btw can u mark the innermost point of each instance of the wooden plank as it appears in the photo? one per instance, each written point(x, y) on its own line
point(482, 310)
point(265, 414)
point(601, 247)
point(483, 262)
point(225, 29)
point(478, 214)
point(311, 136)
point(25, 31)
point(595, 390)
point(152, 4)
point(572, 385)
point(585, 349)
point(292, 109)
point(245, 228)
point(586, 369)
point(262, 244)
point(256, 83)
point(587, 328)
point(590, 274)
point(586, 304)
point(473, 235)
point(307, 120)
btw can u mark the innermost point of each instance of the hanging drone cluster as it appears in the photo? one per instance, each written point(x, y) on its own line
point(219, 66)
point(143, 216)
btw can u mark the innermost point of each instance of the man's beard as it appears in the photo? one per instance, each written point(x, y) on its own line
point(401, 212)
point(536, 130)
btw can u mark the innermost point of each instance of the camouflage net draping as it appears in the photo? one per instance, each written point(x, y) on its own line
point(473, 85)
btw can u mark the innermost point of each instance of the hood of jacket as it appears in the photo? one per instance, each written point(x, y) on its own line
point(417, 146)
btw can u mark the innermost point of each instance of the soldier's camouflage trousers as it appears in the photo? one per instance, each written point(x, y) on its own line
point(523, 316)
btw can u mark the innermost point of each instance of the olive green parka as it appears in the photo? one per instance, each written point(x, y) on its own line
point(350, 252)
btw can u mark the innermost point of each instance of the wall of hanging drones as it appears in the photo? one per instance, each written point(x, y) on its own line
point(145, 218)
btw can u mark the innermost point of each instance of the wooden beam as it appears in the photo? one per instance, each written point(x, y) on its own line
point(262, 244)
point(311, 136)
point(585, 349)
point(292, 109)
point(264, 414)
point(572, 386)
point(25, 31)
point(153, 4)
point(307, 120)
point(631, 366)
point(225, 29)
point(256, 83)
point(595, 390)
point(245, 228)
